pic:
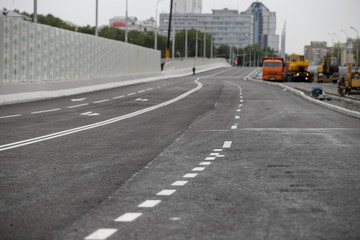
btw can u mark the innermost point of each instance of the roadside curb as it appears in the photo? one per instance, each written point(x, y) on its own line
point(310, 99)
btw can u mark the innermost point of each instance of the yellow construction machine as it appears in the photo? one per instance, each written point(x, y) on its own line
point(328, 71)
point(296, 69)
point(350, 82)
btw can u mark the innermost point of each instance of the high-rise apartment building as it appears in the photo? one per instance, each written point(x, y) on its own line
point(188, 6)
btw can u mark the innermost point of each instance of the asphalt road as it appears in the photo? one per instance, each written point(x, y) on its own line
point(210, 156)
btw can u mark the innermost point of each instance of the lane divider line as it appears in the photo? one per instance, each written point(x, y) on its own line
point(227, 144)
point(128, 217)
point(101, 101)
point(46, 111)
point(101, 234)
point(11, 116)
point(166, 192)
point(80, 105)
point(179, 183)
point(98, 124)
point(149, 203)
point(190, 175)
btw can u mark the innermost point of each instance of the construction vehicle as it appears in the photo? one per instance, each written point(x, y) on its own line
point(328, 71)
point(273, 68)
point(349, 82)
point(296, 69)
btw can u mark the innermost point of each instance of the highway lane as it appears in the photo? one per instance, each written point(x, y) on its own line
point(234, 160)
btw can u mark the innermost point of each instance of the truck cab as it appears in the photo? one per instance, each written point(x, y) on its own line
point(273, 69)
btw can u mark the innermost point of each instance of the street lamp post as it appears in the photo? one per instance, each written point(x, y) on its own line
point(346, 47)
point(35, 11)
point(338, 47)
point(126, 22)
point(156, 23)
point(357, 46)
point(96, 18)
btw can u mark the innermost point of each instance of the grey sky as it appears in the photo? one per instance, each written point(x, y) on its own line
point(306, 20)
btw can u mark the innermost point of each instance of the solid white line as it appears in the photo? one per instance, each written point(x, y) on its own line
point(101, 101)
point(80, 105)
point(205, 163)
point(101, 234)
point(149, 203)
point(98, 124)
point(210, 158)
point(166, 192)
point(190, 175)
point(11, 116)
point(122, 96)
point(227, 144)
point(46, 111)
point(128, 217)
point(198, 169)
point(179, 183)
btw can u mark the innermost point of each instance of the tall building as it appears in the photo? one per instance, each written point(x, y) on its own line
point(227, 27)
point(316, 51)
point(264, 26)
point(187, 6)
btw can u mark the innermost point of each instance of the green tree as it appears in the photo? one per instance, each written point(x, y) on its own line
point(87, 30)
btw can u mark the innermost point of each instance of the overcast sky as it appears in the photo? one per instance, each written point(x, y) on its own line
point(306, 20)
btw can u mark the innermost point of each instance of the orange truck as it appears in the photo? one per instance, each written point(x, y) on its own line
point(273, 69)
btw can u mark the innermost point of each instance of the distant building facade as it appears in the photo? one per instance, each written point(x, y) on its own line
point(188, 6)
point(316, 51)
point(264, 26)
point(227, 27)
point(133, 24)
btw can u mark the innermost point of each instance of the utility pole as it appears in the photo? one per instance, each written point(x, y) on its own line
point(156, 23)
point(186, 42)
point(212, 46)
point(196, 43)
point(167, 51)
point(204, 45)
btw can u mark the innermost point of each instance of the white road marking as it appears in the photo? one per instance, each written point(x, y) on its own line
point(149, 89)
point(101, 234)
point(241, 96)
point(190, 175)
point(128, 217)
point(149, 203)
point(179, 183)
point(98, 124)
point(11, 116)
point(237, 117)
point(216, 155)
point(241, 101)
point(234, 127)
point(90, 114)
point(227, 144)
point(239, 110)
point(166, 192)
point(205, 163)
point(78, 99)
point(174, 218)
point(46, 111)
point(130, 94)
point(142, 99)
point(217, 150)
point(122, 96)
point(198, 169)
point(240, 105)
point(101, 101)
point(210, 158)
point(80, 105)
point(141, 91)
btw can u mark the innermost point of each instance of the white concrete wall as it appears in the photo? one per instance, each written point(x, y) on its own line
point(34, 53)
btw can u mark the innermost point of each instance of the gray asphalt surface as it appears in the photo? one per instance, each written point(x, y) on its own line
point(278, 167)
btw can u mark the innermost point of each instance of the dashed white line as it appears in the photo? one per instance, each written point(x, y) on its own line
point(101, 234)
point(216, 155)
point(190, 175)
point(210, 158)
point(234, 127)
point(179, 183)
point(227, 144)
point(149, 89)
point(238, 110)
point(166, 192)
point(122, 96)
point(11, 116)
point(80, 105)
point(141, 91)
point(130, 94)
point(240, 105)
point(101, 101)
point(46, 111)
point(205, 163)
point(149, 203)
point(241, 101)
point(78, 99)
point(128, 217)
point(198, 169)
point(237, 117)
point(217, 150)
